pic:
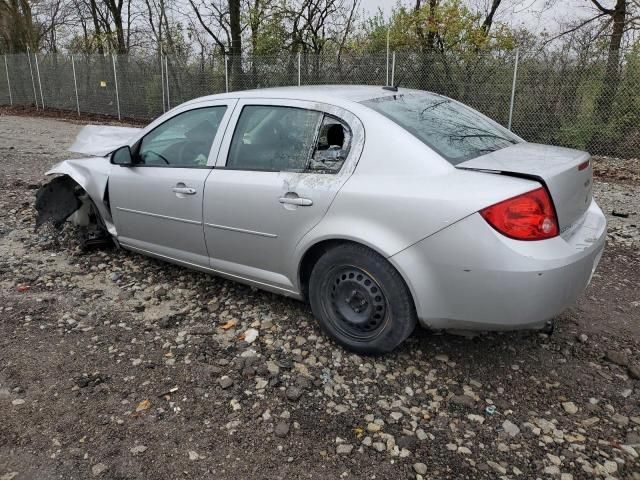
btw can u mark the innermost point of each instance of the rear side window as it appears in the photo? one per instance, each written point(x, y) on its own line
point(273, 138)
point(456, 132)
point(332, 146)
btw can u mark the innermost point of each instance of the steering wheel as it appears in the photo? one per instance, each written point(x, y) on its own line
point(190, 150)
point(157, 155)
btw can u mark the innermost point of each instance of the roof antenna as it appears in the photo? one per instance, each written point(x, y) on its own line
point(394, 86)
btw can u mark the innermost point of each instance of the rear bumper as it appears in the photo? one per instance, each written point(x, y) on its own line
point(469, 276)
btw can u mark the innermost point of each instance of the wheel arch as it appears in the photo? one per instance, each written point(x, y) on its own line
point(314, 251)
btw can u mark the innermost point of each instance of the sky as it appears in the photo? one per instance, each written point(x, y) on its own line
point(530, 13)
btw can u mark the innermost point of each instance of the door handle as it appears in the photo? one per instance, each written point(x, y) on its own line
point(184, 190)
point(299, 201)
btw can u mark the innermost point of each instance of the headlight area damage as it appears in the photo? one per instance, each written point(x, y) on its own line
point(63, 199)
point(79, 192)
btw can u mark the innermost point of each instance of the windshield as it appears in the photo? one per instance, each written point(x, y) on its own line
point(455, 131)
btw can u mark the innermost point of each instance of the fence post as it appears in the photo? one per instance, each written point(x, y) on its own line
point(388, 32)
point(75, 83)
point(115, 82)
point(299, 67)
point(393, 70)
point(162, 81)
point(33, 82)
point(226, 73)
point(166, 76)
point(35, 55)
point(6, 67)
point(513, 86)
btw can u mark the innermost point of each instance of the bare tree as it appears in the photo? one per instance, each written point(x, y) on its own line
point(347, 28)
point(490, 15)
point(236, 44)
point(115, 10)
point(618, 18)
point(221, 20)
point(17, 28)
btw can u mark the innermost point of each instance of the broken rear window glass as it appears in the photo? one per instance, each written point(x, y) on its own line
point(332, 148)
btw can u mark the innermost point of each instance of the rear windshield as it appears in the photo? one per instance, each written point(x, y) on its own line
point(456, 132)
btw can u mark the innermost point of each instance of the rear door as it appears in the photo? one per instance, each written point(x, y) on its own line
point(279, 169)
point(157, 204)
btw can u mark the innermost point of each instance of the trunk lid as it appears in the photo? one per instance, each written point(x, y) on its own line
point(566, 173)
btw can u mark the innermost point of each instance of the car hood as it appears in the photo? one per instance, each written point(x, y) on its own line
point(100, 140)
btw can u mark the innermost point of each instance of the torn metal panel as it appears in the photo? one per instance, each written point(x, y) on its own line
point(92, 174)
point(100, 140)
point(56, 201)
point(62, 199)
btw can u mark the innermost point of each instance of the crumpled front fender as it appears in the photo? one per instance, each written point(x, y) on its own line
point(92, 174)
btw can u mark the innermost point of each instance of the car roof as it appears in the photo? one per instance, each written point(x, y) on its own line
point(332, 94)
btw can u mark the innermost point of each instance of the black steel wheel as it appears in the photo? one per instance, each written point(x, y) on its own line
point(360, 300)
point(355, 303)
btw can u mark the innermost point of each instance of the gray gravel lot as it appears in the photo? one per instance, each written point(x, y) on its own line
point(115, 366)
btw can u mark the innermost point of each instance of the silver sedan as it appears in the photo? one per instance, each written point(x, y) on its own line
point(382, 207)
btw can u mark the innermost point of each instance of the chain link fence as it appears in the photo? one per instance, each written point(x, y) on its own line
point(544, 97)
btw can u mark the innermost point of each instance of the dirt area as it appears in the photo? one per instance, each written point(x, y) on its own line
point(115, 366)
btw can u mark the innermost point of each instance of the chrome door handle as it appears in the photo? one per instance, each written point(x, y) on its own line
point(299, 201)
point(184, 190)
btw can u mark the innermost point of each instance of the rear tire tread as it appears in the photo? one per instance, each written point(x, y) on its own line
point(402, 315)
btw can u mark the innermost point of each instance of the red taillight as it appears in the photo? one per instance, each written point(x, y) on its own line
point(529, 216)
point(583, 165)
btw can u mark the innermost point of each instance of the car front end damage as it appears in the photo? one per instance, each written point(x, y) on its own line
point(78, 193)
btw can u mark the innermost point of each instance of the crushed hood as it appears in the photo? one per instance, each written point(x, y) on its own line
point(100, 140)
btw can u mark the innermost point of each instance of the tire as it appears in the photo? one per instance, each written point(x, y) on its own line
point(360, 300)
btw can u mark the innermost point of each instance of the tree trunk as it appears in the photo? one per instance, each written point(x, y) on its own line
point(612, 72)
point(488, 21)
point(96, 25)
point(236, 45)
point(116, 12)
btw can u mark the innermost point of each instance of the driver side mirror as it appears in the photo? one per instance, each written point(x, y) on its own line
point(122, 156)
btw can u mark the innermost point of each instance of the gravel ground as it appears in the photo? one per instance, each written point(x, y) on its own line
point(115, 366)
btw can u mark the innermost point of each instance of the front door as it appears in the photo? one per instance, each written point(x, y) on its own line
point(275, 178)
point(157, 203)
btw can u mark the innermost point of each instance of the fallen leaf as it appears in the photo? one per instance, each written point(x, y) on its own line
point(143, 405)
point(229, 324)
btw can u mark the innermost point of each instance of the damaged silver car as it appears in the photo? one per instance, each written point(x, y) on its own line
point(382, 207)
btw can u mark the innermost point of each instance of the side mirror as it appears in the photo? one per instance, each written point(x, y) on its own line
point(122, 156)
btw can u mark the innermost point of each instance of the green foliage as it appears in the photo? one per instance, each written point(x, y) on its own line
point(270, 36)
point(450, 27)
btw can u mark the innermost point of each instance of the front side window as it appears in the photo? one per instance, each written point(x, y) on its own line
point(273, 138)
point(182, 141)
point(455, 131)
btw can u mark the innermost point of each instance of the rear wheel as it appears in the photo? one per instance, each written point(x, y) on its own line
point(360, 300)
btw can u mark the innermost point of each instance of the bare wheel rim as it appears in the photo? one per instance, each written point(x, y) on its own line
point(355, 304)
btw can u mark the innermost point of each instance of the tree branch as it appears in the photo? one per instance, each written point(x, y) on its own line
point(577, 27)
point(607, 11)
